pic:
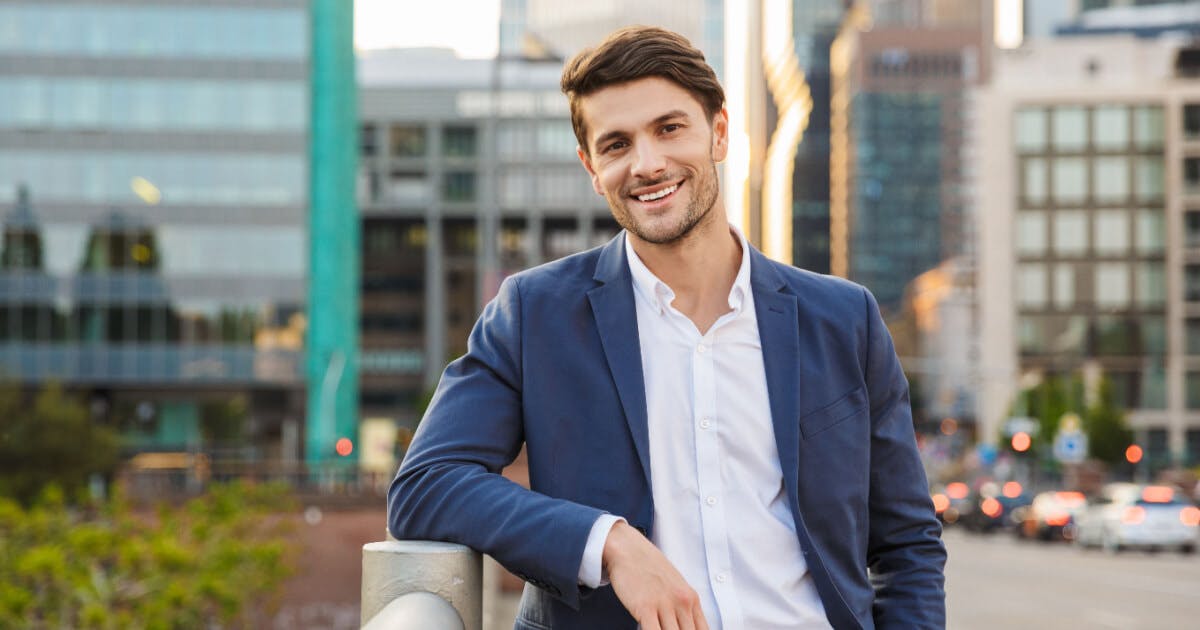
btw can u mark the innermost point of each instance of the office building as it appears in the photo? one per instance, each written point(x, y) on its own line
point(1091, 213)
point(456, 155)
point(153, 193)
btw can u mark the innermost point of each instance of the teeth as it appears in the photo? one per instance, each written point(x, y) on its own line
point(658, 195)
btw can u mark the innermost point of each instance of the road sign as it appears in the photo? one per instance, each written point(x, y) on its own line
point(1070, 447)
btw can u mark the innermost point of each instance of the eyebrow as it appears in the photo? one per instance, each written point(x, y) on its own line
point(612, 135)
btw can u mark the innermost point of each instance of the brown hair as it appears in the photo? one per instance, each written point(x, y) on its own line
point(636, 52)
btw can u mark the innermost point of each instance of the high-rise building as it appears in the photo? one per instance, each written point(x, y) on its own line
point(564, 27)
point(910, 202)
point(154, 197)
point(454, 150)
point(1092, 152)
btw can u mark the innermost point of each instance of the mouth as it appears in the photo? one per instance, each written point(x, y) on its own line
point(660, 197)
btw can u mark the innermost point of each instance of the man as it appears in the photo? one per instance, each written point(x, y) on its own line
point(715, 440)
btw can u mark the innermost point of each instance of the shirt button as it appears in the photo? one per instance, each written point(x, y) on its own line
point(711, 500)
point(721, 577)
point(701, 348)
point(705, 423)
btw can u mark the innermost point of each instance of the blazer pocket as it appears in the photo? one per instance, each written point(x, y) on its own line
point(829, 415)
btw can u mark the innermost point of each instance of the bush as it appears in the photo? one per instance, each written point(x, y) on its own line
point(52, 441)
point(217, 561)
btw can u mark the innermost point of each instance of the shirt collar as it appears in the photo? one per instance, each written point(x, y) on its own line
point(657, 294)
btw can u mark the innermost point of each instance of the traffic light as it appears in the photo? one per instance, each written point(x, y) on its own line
point(1021, 441)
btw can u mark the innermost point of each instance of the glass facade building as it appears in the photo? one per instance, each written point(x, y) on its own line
point(153, 199)
point(450, 154)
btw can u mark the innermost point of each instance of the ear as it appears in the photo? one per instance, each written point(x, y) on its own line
point(720, 135)
point(587, 165)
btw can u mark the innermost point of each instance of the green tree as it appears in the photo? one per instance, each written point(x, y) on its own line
point(51, 441)
point(1104, 423)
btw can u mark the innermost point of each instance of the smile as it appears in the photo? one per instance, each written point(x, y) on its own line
point(658, 194)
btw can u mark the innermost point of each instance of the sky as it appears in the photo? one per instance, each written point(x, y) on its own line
point(471, 27)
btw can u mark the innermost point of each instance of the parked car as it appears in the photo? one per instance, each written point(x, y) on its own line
point(1128, 515)
point(1050, 516)
point(949, 501)
point(993, 507)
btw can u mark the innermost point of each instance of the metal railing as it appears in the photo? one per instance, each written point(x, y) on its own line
point(421, 584)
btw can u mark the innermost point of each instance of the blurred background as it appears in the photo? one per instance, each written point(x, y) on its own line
point(242, 238)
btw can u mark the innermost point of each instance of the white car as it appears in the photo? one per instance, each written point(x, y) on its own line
point(1128, 515)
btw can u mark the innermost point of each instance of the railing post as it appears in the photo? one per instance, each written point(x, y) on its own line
point(395, 568)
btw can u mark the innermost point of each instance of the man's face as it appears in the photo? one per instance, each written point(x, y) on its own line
point(652, 154)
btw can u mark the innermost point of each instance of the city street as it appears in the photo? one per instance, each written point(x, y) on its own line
point(995, 582)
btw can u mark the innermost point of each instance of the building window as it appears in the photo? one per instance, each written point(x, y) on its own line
point(1154, 335)
point(408, 141)
point(1033, 186)
point(1151, 284)
point(458, 141)
point(409, 187)
point(1192, 443)
point(1110, 178)
point(1148, 126)
point(1191, 283)
point(1191, 120)
point(1112, 285)
point(1070, 180)
point(556, 140)
point(1191, 175)
point(1114, 336)
point(459, 186)
point(1191, 228)
point(1070, 128)
point(366, 140)
point(1110, 127)
point(1192, 335)
point(515, 189)
point(1070, 232)
point(1193, 390)
point(1064, 286)
point(1031, 130)
point(1149, 178)
point(1031, 233)
point(1111, 232)
point(1031, 285)
point(1151, 236)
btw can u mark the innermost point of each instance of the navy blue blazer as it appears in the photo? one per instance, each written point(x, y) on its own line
point(554, 363)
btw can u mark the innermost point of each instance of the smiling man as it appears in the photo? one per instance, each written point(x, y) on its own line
point(715, 440)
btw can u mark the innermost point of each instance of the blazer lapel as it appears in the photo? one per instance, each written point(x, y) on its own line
point(778, 332)
point(616, 320)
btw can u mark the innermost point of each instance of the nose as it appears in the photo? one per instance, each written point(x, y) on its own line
point(649, 162)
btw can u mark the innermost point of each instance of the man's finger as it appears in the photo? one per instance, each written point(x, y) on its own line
point(666, 619)
point(686, 619)
point(698, 617)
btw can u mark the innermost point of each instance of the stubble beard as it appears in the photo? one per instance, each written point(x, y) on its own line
point(701, 204)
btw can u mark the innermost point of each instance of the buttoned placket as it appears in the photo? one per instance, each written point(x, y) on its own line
point(707, 434)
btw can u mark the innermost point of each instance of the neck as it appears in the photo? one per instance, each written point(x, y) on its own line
point(700, 268)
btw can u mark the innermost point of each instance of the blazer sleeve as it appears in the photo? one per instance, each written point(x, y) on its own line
point(449, 486)
point(905, 554)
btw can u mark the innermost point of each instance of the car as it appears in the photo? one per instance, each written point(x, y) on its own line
point(1050, 515)
point(1129, 515)
point(950, 501)
point(993, 507)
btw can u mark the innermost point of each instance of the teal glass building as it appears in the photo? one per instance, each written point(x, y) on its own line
point(154, 204)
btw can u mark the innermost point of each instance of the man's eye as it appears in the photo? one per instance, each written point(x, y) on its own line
point(671, 127)
point(620, 144)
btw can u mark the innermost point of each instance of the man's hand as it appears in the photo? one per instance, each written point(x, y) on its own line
point(647, 584)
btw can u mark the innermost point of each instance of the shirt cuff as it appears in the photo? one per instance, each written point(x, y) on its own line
point(592, 565)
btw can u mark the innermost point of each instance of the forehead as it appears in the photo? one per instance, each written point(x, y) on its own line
point(634, 104)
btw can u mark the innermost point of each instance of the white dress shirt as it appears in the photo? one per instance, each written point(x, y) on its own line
point(721, 513)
